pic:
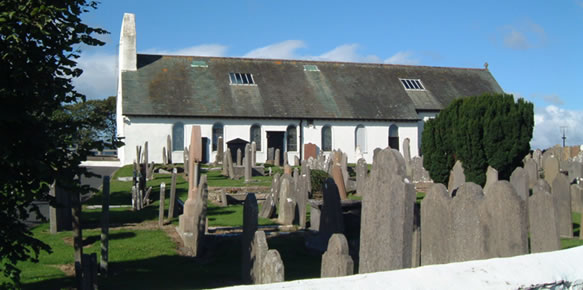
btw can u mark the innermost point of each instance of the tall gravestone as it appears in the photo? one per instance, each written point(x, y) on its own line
point(172, 202)
point(532, 168)
point(544, 231)
point(436, 226)
point(520, 181)
point(248, 163)
point(220, 150)
point(469, 239)
point(164, 156)
point(562, 197)
point(302, 198)
point(456, 176)
point(230, 168)
point(259, 249)
point(250, 222)
point(576, 198)
point(550, 169)
point(253, 153)
point(361, 175)
point(387, 215)
point(310, 150)
point(407, 156)
point(239, 157)
point(336, 261)
point(273, 269)
point(161, 204)
point(331, 219)
point(270, 155)
point(506, 220)
point(344, 167)
point(287, 201)
point(491, 178)
point(339, 180)
point(169, 149)
point(277, 156)
point(225, 165)
point(270, 204)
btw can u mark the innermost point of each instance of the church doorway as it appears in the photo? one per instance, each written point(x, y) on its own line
point(275, 141)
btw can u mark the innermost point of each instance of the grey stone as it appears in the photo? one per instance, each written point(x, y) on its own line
point(537, 156)
point(185, 154)
point(469, 239)
point(248, 163)
point(259, 249)
point(287, 202)
point(361, 175)
point(253, 153)
point(164, 156)
point(277, 155)
point(416, 240)
point(271, 154)
point(407, 156)
point(456, 176)
point(161, 204)
point(250, 222)
point(230, 167)
point(239, 157)
point(344, 167)
point(169, 149)
point(550, 169)
point(436, 226)
point(520, 181)
point(575, 170)
point(285, 158)
point(339, 180)
point(387, 216)
point(273, 269)
point(220, 150)
point(562, 198)
point(544, 231)
point(269, 205)
point(296, 161)
point(418, 172)
point(576, 198)
point(491, 178)
point(336, 261)
point(301, 198)
point(506, 219)
point(225, 169)
point(532, 168)
point(308, 173)
point(331, 220)
point(191, 224)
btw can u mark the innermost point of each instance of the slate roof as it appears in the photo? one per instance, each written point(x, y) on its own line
point(178, 86)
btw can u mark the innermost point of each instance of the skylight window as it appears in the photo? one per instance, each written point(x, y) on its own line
point(311, 67)
point(412, 84)
point(199, 63)
point(241, 79)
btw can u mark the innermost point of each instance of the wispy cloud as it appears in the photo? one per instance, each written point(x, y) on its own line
point(348, 53)
point(403, 57)
point(198, 50)
point(282, 50)
point(553, 100)
point(522, 36)
point(99, 75)
point(547, 126)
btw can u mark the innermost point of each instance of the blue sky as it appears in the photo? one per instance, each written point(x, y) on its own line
point(533, 48)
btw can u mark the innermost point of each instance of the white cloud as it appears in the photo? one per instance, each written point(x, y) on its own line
point(547, 127)
point(516, 40)
point(198, 50)
point(553, 100)
point(523, 36)
point(99, 77)
point(282, 50)
point(347, 53)
point(402, 57)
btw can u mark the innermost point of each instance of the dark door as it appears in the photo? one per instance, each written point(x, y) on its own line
point(275, 141)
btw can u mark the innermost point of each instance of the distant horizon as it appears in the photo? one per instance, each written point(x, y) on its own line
point(529, 45)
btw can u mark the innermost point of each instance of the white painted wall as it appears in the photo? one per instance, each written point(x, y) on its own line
point(138, 130)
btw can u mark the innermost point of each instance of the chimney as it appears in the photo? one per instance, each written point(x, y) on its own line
point(127, 43)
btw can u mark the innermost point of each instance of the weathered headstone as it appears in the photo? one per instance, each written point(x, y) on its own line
point(310, 150)
point(220, 149)
point(339, 180)
point(456, 176)
point(336, 261)
point(169, 149)
point(520, 181)
point(161, 204)
point(285, 159)
point(277, 156)
point(331, 220)
point(239, 157)
point(562, 198)
point(532, 168)
point(287, 202)
point(544, 231)
point(296, 161)
point(253, 153)
point(506, 220)
point(537, 156)
point(302, 198)
point(186, 154)
point(436, 226)
point(172, 201)
point(271, 155)
point(344, 167)
point(576, 198)
point(273, 269)
point(287, 169)
point(416, 240)
point(469, 240)
point(248, 163)
point(250, 222)
point(550, 169)
point(387, 215)
point(491, 178)
point(230, 168)
point(269, 205)
point(407, 156)
point(418, 172)
point(164, 156)
point(575, 170)
point(259, 249)
point(225, 168)
point(361, 175)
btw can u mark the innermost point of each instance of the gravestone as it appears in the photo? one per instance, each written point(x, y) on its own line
point(250, 221)
point(361, 175)
point(576, 198)
point(269, 205)
point(310, 150)
point(532, 168)
point(336, 261)
point(407, 156)
point(331, 220)
point(560, 191)
point(239, 157)
point(575, 170)
point(416, 240)
point(550, 169)
point(387, 215)
point(248, 163)
point(185, 158)
point(225, 169)
point(537, 156)
point(520, 181)
point(301, 194)
point(230, 168)
point(469, 239)
point(375, 152)
point(253, 153)
point(277, 156)
point(418, 172)
point(296, 161)
point(285, 159)
point(506, 220)
point(287, 202)
point(544, 231)
point(456, 176)
point(436, 226)
point(273, 269)
point(271, 155)
point(491, 178)
point(220, 150)
point(344, 167)
point(164, 156)
point(259, 249)
point(287, 169)
point(169, 149)
point(339, 180)
point(161, 204)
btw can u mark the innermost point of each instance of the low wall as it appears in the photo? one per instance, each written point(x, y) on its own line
point(552, 270)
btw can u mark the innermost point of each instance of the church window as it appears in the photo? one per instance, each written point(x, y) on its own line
point(217, 132)
point(394, 137)
point(292, 143)
point(360, 138)
point(256, 136)
point(241, 79)
point(327, 138)
point(178, 136)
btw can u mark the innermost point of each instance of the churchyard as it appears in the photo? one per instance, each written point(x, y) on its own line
point(284, 224)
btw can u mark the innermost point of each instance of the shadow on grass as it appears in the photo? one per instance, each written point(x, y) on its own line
point(91, 219)
point(112, 236)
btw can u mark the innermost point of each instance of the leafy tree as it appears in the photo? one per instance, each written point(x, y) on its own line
point(480, 131)
point(100, 122)
point(39, 45)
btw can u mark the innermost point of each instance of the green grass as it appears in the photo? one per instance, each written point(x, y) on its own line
point(215, 179)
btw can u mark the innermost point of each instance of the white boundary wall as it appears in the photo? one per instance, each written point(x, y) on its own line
point(562, 269)
point(138, 130)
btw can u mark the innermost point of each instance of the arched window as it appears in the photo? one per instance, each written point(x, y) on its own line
point(360, 138)
point(394, 137)
point(326, 138)
point(178, 136)
point(255, 136)
point(217, 132)
point(292, 140)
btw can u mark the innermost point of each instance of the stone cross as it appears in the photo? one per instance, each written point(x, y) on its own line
point(336, 261)
point(250, 221)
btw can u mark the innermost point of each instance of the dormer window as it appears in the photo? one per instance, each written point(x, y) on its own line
point(412, 84)
point(241, 79)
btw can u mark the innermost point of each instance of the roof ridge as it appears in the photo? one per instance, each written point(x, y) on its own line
point(313, 61)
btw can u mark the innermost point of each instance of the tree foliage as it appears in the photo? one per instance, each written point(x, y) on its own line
point(39, 45)
point(479, 131)
point(99, 126)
